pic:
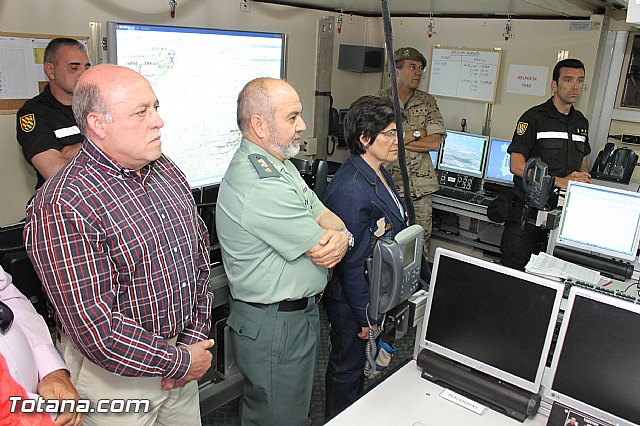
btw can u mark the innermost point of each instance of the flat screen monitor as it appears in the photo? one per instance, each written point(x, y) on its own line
point(498, 168)
point(197, 74)
point(600, 220)
point(491, 318)
point(434, 158)
point(463, 153)
point(595, 364)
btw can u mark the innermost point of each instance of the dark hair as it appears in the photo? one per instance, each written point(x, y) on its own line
point(367, 116)
point(566, 63)
point(51, 51)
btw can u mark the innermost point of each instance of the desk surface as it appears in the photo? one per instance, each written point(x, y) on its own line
point(405, 399)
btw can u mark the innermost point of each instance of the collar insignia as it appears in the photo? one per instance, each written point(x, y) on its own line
point(263, 166)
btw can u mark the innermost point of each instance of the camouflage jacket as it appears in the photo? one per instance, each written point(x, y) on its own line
point(421, 112)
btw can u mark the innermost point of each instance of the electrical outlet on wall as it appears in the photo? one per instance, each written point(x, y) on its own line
point(245, 6)
point(309, 146)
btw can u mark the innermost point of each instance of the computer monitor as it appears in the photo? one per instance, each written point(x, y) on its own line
point(434, 158)
point(600, 220)
point(498, 168)
point(463, 153)
point(197, 73)
point(595, 364)
point(491, 318)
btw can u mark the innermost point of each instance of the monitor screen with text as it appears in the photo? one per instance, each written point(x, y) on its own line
point(600, 220)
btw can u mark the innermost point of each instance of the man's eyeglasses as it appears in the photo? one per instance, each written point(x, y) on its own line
point(393, 133)
point(414, 67)
point(6, 317)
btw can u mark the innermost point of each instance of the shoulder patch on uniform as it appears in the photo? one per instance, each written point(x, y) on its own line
point(521, 127)
point(27, 122)
point(263, 166)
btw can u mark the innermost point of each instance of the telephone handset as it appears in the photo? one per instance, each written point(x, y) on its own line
point(615, 164)
point(537, 183)
point(393, 271)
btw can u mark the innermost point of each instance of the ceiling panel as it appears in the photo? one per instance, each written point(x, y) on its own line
point(516, 8)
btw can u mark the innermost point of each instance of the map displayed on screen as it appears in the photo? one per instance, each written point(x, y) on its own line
point(197, 74)
point(463, 153)
point(499, 162)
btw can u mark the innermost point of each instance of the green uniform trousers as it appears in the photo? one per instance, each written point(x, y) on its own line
point(276, 352)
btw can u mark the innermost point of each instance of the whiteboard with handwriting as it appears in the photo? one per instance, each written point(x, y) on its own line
point(470, 74)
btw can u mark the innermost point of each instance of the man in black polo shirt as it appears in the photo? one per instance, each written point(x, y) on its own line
point(557, 133)
point(46, 128)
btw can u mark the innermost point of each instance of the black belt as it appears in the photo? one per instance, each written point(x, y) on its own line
point(287, 305)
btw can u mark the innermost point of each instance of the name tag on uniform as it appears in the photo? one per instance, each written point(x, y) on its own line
point(67, 131)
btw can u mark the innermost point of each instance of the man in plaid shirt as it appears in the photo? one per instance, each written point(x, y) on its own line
point(123, 256)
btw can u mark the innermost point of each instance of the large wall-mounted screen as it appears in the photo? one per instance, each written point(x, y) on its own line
point(197, 74)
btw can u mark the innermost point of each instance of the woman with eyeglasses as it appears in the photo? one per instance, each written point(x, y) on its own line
point(364, 196)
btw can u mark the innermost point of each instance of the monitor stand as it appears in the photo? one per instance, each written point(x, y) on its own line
point(502, 397)
point(608, 267)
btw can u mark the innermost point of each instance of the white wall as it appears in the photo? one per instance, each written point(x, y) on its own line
point(535, 43)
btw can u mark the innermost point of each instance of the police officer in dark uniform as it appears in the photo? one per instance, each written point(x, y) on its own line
point(557, 133)
point(46, 128)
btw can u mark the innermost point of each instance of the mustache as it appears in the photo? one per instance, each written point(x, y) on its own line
point(297, 137)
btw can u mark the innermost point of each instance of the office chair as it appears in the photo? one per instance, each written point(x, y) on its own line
point(303, 166)
point(11, 239)
point(319, 171)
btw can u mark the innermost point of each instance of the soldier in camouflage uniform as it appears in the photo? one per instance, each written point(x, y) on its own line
point(423, 131)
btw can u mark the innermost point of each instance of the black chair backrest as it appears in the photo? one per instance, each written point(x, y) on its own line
point(11, 239)
point(320, 171)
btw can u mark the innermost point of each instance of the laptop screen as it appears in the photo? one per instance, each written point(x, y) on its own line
point(601, 220)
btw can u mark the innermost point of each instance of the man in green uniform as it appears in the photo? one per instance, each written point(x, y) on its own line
point(278, 241)
point(423, 131)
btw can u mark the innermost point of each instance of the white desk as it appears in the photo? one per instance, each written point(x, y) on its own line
point(405, 398)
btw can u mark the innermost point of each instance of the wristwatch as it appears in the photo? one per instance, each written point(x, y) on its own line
point(351, 240)
point(417, 134)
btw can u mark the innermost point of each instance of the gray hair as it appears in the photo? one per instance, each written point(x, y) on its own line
point(254, 99)
point(87, 98)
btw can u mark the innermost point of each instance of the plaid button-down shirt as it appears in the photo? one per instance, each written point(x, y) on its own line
point(124, 260)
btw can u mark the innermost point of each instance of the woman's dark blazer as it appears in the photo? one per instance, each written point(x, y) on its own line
point(360, 199)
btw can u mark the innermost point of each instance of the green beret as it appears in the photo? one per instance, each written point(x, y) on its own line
point(409, 53)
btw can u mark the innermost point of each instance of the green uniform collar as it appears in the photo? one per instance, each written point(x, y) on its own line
point(249, 147)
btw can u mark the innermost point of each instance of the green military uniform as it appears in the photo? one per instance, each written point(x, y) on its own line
point(265, 219)
point(421, 112)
